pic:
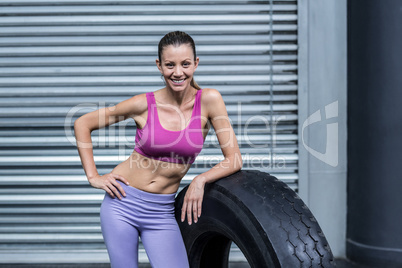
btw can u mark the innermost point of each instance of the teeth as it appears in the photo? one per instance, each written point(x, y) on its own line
point(178, 81)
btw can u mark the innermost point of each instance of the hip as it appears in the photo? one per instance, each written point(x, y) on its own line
point(140, 201)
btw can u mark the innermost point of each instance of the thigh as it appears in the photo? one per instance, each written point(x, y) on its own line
point(120, 236)
point(165, 247)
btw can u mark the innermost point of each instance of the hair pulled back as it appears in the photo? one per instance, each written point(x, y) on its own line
point(177, 38)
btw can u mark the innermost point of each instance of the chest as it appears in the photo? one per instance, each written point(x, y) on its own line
point(173, 118)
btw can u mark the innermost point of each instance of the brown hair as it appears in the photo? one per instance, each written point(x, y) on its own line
point(178, 38)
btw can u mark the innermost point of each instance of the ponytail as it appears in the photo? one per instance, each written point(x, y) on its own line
point(194, 84)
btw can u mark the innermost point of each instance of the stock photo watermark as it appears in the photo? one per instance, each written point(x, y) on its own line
point(262, 138)
point(331, 155)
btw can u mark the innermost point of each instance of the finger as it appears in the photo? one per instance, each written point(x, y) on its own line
point(114, 190)
point(107, 190)
point(195, 213)
point(116, 184)
point(189, 211)
point(121, 178)
point(183, 211)
point(199, 207)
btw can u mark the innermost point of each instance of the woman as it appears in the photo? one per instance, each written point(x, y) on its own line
point(172, 124)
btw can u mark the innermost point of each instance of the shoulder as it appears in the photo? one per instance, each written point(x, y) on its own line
point(213, 102)
point(211, 96)
point(135, 105)
point(139, 99)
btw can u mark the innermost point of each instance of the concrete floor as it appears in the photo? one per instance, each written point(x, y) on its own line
point(340, 263)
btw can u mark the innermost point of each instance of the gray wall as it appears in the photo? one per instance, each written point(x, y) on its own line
point(322, 115)
point(61, 59)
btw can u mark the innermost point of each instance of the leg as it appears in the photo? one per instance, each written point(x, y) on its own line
point(121, 238)
point(165, 247)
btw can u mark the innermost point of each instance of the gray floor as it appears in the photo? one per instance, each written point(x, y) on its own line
point(340, 263)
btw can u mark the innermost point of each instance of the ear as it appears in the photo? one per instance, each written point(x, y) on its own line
point(197, 60)
point(158, 64)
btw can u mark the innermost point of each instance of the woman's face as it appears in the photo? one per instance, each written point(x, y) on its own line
point(177, 66)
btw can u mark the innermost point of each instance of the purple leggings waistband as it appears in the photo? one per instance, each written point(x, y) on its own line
point(147, 196)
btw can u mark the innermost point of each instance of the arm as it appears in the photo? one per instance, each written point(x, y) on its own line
point(89, 122)
point(232, 158)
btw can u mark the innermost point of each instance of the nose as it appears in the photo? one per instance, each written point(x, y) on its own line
point(178, 71)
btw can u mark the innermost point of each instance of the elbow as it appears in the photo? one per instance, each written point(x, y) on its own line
point(80, 123)
point(237, 162)
point(240, 165)
point(77, 124)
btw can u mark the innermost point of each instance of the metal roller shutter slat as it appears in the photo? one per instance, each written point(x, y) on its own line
point(60, 59)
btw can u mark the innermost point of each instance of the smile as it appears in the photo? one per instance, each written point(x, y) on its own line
point(178, 81)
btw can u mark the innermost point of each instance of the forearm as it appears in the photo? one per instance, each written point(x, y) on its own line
point(85, 149)
point(224, 168)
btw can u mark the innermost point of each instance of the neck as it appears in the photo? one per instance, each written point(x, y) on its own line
point(180, 97)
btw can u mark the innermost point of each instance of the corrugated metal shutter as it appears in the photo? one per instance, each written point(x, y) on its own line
point(60, 59)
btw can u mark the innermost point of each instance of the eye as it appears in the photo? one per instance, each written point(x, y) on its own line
point(186, 64)
point(169, 65)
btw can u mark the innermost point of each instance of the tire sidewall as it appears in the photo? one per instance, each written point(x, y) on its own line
point(237, 224)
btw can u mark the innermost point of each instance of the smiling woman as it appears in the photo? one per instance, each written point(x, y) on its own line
point(172, 124)
point(171, 46)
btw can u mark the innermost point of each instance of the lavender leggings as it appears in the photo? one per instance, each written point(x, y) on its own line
point(148, 215)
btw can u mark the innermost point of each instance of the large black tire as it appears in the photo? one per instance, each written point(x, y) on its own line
point(264, 217)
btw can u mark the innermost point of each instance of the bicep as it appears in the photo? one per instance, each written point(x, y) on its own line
point(109, 115)
point(222, 125)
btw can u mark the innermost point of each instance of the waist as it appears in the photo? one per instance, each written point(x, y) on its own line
point(148, 196)
point(151, 175)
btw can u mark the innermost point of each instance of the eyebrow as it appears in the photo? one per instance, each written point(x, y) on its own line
point(182, 61)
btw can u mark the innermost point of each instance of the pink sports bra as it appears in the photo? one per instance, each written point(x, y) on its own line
point(156, 142)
